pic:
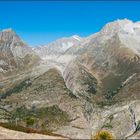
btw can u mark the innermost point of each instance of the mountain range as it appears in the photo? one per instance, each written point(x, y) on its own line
point(74, 86)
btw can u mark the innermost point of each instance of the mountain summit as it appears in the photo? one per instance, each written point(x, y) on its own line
point(58, 47)
point(13, 52)
point(77, 37)
point(123, 26)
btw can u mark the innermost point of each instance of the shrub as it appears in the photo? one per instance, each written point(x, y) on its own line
point(107, 126)
point(111, 117)
point(103, 135)
point(29, 121)
point(20, 112)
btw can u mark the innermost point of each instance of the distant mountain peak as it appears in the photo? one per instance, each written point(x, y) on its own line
point(8, 32)
point(11, 43)
point(77, 37)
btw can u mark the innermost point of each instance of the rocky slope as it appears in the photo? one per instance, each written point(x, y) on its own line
point(121, 120)
point(111, 56)
point(43, 101)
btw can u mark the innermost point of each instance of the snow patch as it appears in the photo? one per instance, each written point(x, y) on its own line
point(128, 28)
point(66, 46)
point(77, 37)
point(131, 27)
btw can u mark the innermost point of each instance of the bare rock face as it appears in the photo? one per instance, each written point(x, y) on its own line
point(11, 44)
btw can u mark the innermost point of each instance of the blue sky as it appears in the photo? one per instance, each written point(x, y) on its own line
point(42, 22)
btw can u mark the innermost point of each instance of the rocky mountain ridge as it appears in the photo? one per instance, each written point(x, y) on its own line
point(93, 83)
point(57, 47)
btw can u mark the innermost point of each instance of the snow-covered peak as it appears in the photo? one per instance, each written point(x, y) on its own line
point(121, 26)
point(123, 21)
point(131, 28)
point(76, 37)
point(118, 23)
